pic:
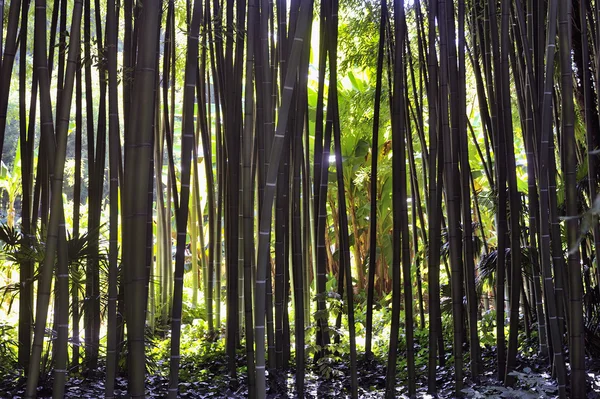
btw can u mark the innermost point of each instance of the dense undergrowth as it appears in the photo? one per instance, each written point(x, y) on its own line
point(204, 375)
point(204, 370)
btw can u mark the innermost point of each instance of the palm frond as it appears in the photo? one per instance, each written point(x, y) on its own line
point(486, 269)
point(10, 236)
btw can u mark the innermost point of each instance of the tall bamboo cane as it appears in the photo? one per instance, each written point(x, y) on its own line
point(57, 160)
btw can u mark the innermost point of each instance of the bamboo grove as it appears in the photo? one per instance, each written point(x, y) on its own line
point(217, 128)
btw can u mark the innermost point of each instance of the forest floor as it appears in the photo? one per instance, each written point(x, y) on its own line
point(211, 381)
